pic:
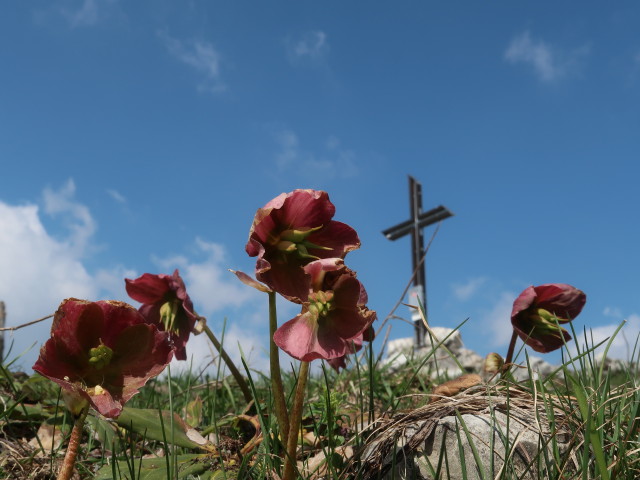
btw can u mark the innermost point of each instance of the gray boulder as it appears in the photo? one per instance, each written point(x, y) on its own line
point(451, 359)
point(418, 444)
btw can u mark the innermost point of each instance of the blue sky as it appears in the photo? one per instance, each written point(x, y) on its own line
point(142, 136)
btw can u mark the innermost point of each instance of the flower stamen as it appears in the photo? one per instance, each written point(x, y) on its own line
point(100, 356)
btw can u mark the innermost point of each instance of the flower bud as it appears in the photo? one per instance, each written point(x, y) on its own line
point(493, 363)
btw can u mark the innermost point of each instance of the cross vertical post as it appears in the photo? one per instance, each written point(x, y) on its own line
point(417, 247)
point(417, 221)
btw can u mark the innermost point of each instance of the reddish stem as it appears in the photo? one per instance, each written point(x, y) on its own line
point(295, 418)
point(509, 357)
point(69, 461)
point(277, 387)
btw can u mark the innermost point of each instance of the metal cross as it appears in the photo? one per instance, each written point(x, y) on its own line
point(414, 226)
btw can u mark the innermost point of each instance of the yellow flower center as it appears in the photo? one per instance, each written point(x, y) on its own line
point(321, 303)
point(295, 241)
point(100, 356)
point(168, 314)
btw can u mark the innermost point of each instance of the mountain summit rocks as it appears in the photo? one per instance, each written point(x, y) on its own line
point(449, 358)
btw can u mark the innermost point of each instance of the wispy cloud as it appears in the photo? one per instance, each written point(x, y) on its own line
point(549, 63)
point(498, 319)
point(88, 13)
point(202, 56)
point(211, 286)
point(613, 312)
point(117, 196)
point(76, 216)
point(334, 162)
point(312, 47)
point(464, 291)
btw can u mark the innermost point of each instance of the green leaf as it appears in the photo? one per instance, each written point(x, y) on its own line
point(592, 434)
point(194, 411)
point(147, 422)
point(189, 466)
point(106, 432)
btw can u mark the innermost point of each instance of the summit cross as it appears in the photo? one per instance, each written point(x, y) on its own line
point(414, 226)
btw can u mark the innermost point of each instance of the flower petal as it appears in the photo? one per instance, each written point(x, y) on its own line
point(546, 342)
point(339, 237)
point(564, 301)
point(148, 288)
point(303, 208)
point(298, 337)
point(247, 280)
point(524, 301)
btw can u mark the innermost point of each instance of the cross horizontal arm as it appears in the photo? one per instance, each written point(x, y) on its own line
point(424, 219)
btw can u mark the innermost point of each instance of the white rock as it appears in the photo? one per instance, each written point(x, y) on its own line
point(440, 363)
point(539, 367)
point(488, 432)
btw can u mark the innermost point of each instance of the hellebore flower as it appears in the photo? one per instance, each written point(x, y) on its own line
point(165, 303)
point(102, 352)
point(355, 346)
point(333, 314)
point(537, 309)
point(291, 231)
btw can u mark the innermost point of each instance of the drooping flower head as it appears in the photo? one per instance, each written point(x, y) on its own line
point(355, 346)
point(165, 303)
point(537, 309)
point(333, 314)
point(102, 352)
point(291, 231)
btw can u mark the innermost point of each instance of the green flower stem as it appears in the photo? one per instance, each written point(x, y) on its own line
point(246, 392)
point(509, 357)
point(66, 472)
point(276, 377)
point(296, 419)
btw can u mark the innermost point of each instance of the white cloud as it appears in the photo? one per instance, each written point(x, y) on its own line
point(311, 46)
point(621, 346)
point(201, 56)
point(612, 312)
point(117, 196)
point(38, 270)
point(210, 284)
point(548, 62)
point(89, 13)
point(201, 355)
point(335, 162)
point(465, 291)
point(76, 216)
point(498, 319)
point(289, 146)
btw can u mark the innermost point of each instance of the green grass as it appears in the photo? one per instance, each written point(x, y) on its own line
point(603, 409)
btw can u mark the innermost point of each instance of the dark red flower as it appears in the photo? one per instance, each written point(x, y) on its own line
point(291, 231)
point(165, 303)
point(537, 311)
point(102, 352)
point(333, 314)
point(355, 346)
